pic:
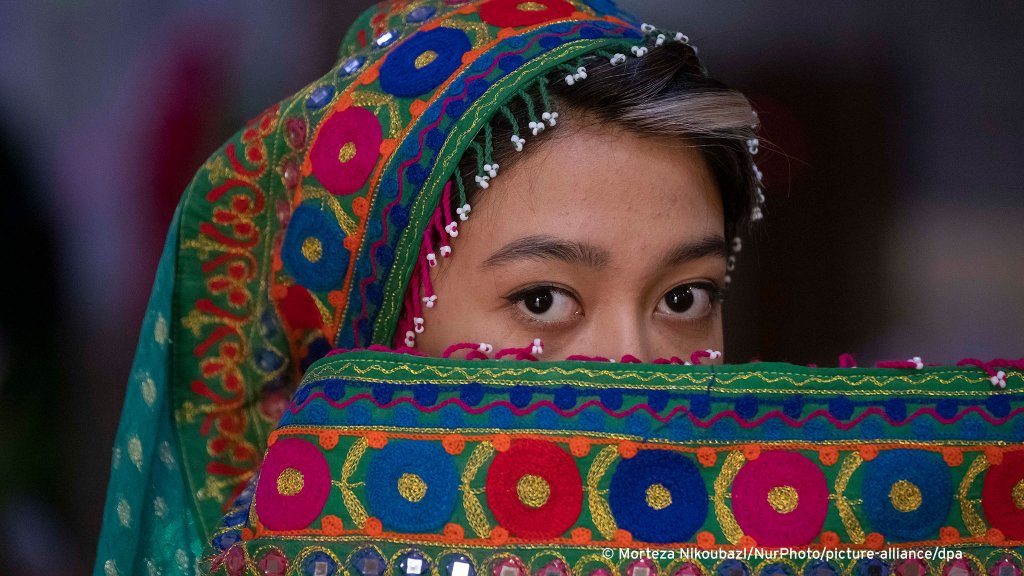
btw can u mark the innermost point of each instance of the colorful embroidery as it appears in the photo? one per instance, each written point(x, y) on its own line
point(567, 485)
point(534, 489)
point(411, 486)
point(296, 485)
point(307, 206)
point(658, 496)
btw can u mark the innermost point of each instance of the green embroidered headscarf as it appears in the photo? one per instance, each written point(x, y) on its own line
point(301, 234)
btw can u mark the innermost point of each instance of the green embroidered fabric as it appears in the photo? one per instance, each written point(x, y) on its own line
point(513, 467)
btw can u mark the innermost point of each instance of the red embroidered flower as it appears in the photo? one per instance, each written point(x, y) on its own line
point(534, 489)
point(780, 499)
point(346, 149)
point(509, 13)
point(1002, 495)
point(294, 484)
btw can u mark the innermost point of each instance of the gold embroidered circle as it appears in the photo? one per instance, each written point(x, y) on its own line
point(347, 152)
point(412, 487)
point(658, 497)
point(425, 59)
point(290, 482)
point(905, 496)
point(530, 7)
point(783, 499)
point(312, 249)
point(1018, 494)
point(533, 491)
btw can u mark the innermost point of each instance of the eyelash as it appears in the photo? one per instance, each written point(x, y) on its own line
point(715, 292)
point(520, 296)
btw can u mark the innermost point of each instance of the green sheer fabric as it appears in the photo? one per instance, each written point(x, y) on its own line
point(148, 524)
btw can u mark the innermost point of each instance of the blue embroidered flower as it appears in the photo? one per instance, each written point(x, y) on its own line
point(658, 496)
point(907, 494)
point(423, 62)
point(313, 251)
point(411, 486)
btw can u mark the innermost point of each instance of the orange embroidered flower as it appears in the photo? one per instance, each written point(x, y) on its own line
point(332, 525)
point(579, 446)
point(994, 455)
point(707, 457)
point(373, 527)
point(418, 107)
point(751, 451)
point(622, 536)
point(337, 298)
point(361, 206)
point(994, 536)
point(875, 541)
point(627, 449)
point(581, 536)
point(453, 531)
point(953, 456)
point(868, 453)
point(328, 440)
point(377, 439)
point(828, 455)
point(829, 538)
point(454, 444)
point(501, 442)
point(499, 535)
point(949, 534)
point(705, 540)
point(247, 534)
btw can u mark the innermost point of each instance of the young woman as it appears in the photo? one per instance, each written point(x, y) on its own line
point(553, 174)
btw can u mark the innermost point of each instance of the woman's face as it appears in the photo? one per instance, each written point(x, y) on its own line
point(599, 242)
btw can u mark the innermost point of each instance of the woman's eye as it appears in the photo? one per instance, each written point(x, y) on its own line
point(545, 304)
point(689, 301)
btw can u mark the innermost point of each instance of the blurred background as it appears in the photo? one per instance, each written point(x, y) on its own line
point(895, 221)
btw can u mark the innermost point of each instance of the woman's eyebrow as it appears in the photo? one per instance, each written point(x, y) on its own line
point(543, 247)
point(710, 245)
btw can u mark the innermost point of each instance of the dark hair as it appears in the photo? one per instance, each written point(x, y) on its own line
point(666, 92)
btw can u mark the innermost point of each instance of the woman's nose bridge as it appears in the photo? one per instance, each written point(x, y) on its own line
point(621, 332)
